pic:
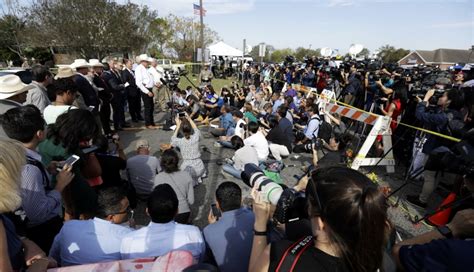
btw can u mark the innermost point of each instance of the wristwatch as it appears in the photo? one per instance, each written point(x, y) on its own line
point(445, 231)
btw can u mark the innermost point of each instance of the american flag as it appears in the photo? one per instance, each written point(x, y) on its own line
point(197, 10)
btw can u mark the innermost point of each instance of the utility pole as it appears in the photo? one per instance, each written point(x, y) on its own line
point(202, 34)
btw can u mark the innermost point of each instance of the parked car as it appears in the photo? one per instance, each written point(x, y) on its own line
point(167, 64)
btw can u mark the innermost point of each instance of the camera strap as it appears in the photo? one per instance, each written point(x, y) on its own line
point(293, 254)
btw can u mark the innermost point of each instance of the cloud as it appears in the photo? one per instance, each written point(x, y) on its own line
point(454, 25)
point(185, 7)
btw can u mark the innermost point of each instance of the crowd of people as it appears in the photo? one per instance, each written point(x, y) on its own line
point(69, 191)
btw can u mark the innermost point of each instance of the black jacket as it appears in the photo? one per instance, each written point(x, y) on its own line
point(132, 89)
point(87, 91)
point(113, 81)
point(104, 94)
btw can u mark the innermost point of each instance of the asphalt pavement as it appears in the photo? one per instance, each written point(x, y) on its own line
point(400, 215)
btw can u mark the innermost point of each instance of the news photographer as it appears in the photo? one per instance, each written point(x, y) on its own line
point(440, 116)
point(349, 223)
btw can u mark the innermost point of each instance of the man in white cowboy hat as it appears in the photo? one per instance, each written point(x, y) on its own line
point(38, 94)
point(104, 94)
point(84, 85)
point(12, 94)
point(145, 83)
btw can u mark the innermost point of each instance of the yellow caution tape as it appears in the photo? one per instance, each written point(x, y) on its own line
point(371, 113)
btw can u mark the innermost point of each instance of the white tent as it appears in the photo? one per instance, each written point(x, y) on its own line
point(223, 49)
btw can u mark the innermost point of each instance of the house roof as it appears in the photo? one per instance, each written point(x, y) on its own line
point(444, 55)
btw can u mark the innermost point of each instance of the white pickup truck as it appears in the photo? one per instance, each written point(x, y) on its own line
point(166, 64)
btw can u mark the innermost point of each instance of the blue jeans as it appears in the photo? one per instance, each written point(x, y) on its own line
point(226, 144)
point(230, 169)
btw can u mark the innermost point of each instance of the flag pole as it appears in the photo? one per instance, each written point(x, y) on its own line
point(194, 40)
point(202, 33)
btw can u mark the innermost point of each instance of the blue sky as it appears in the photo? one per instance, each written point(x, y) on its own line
point(415, 24)
point(411, 24)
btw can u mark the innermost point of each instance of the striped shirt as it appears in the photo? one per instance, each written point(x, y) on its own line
point(39, 204)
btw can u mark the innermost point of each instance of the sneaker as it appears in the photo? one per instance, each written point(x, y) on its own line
point(415, 200)
point(216, 144)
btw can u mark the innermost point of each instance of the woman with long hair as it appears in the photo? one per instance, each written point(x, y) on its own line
point(189, 147)
point(73, 132)
point(348, 215)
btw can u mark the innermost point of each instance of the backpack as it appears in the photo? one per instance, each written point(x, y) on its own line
point(325, 129)
point(18, 217)
point(455, 125)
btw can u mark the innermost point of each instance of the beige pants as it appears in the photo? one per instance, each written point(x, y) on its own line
point(161, 97)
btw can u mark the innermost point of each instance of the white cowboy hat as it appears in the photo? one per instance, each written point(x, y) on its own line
point(95, 63)
point(80, 63)
point(143, 57)
point(64, 72)
point(11, 85)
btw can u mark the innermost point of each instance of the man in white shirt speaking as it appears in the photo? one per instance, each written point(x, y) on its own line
point(145, 83)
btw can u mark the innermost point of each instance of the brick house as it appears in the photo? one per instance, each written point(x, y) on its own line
point(444, 58)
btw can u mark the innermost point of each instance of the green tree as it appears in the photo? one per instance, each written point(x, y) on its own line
point(185, 33)
point(280, 54)
point(301, 53)
point(390, 54)
point(364, 53)
point(269, 50)
point(90, 28)
point(11, 39)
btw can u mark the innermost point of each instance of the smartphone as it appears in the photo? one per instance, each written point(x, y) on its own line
point(215, 211)
point(182, 114)
point(70, 161)
point(91, 108)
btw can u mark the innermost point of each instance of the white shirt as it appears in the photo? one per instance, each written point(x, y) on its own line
point(260, 143)
point(143, 79)
point(52, 112)
point(239, 128)
point(159, 239)
point(88, 241)
point(156, 73)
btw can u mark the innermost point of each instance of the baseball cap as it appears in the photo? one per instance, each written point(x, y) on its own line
point(142, 143)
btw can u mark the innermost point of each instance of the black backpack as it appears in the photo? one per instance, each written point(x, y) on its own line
point(325, 129)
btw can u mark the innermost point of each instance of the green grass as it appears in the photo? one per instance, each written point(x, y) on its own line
point(216, 83)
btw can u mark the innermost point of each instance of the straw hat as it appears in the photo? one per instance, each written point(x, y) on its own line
point(80, 63)
point(143, 57)
point(11, 85)
point(64, 72)
point(95, 63)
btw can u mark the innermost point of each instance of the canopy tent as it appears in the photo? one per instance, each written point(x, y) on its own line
point(223, 49)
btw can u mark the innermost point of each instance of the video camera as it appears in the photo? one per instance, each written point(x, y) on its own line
point(290, 205)
point(458, 160)
point(171, 78)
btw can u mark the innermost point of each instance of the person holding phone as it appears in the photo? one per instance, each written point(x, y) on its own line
point(41, 199)
point(230, 228)
point(189, 147)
